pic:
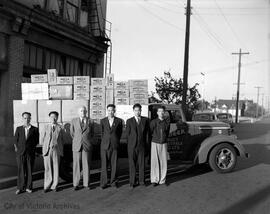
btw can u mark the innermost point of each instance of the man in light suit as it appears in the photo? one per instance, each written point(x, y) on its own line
point(111, 131)
point(26, 140)
point(82, 131)
point(52, 149)
point(137, 130)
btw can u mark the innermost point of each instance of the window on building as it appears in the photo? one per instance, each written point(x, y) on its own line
point(38, 59)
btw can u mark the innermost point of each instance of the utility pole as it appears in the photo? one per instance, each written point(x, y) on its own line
point(240, 53)
point(262, 105)
point(203, 82)
point(186, 57)
point(258, 95)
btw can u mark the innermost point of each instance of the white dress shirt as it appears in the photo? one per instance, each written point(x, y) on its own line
point(111, 121)
point(26, 129)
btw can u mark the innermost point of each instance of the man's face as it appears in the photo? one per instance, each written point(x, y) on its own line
point(161, 113)
point(82, 112)
point(137, 111)
point(111, 111)
point(53, 118)
point(26, 119)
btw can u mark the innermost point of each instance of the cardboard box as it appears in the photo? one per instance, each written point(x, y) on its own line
point(97, 97)
point(109, 96)
point(139, 82)
point(97, 113)
point(45, 107)
point(20, 124)
point(97, 90)
point(81, 88)
point(81, 96)
point(141, 101)
point(52, 76)
point(70, 109)
point(121, 101)
point(78, 80)
point(138, 95)
point(119, 93)
point(109, 81)
point(61, 92)
point(96, 81)
point(39, 78)
point(35, 91)
point(139, 89)
point(97, 105)
point(64, 80)
point(20, 106)
point(121, 85)
point(126, 111)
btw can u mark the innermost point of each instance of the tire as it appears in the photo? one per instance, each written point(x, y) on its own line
point(223, 158)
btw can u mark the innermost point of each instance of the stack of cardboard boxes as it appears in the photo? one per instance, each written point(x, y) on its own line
point(138, 92)
point(49, 92)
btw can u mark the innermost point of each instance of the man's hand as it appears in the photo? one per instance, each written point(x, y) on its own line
point(15, 148)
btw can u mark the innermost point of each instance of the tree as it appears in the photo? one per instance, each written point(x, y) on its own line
point(170, 91)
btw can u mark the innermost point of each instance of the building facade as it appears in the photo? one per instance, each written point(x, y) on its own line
point(36, 35)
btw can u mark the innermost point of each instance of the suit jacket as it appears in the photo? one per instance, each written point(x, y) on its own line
point(28, 145)
point(110, 136)
point(46, 137)
point(136, 139)
point(82, 137)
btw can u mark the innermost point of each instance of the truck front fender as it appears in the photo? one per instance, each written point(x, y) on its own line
point(209, 143)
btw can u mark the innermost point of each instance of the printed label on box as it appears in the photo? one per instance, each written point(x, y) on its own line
point(121, 85)
point(121, 93)
point(39, 78)
point(82, 88)
point(98, 81)
point(81, 80)
point(64, 80)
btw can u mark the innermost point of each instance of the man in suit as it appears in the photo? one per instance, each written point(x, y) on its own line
point(82, 131)
point(26, 140)
point(111, 131)
point(52, 149)
point(137, 130)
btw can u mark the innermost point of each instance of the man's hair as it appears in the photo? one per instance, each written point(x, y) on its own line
point(54, 112)
point(137, 105)
point(161, 107)
point(110, 105)
point(28, 113)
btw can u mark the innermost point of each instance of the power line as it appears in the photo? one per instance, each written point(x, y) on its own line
point(229, 25)
point(158, 17)
point(204, 26)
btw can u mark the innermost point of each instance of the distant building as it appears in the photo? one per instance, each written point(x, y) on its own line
point(36, 35)
point(229, 106)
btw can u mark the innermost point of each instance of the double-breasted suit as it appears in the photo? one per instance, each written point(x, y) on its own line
point(52, 149)
point(138, 140)
point(110, 140)
point(25, 155)
point(82, 132)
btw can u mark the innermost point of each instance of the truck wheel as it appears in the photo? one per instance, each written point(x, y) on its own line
point(223, 158)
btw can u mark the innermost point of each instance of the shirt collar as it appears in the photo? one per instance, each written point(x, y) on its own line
point(27, 127)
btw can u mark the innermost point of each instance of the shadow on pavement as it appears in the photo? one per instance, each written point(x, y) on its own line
point(251, 130)
point(245, 205)
point(259, 154)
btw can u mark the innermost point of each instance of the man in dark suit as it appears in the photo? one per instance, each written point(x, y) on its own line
point(26, 140)
point(137, 130)
point(111, 131)
point(82, 132)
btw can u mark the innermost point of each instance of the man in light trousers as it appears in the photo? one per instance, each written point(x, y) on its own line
point(159, 128)
point(52, 149)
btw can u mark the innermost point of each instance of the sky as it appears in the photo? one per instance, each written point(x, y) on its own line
point(148, 38)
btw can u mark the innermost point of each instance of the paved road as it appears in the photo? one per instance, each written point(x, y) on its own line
point(198, 190)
